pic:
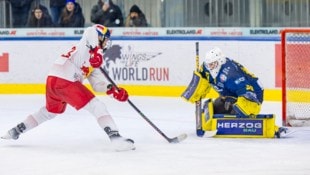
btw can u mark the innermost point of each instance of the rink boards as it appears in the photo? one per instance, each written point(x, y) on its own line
point(145, 63)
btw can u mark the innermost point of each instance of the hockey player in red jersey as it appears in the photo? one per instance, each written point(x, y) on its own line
point(64, 86)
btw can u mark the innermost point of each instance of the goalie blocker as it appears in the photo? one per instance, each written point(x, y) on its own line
point(233, 126)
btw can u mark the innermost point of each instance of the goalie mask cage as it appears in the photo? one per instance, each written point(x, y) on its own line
point(295, 45)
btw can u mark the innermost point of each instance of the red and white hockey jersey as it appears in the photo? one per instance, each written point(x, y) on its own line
point(74, 65)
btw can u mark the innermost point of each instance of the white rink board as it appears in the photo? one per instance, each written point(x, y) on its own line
point(29, 60)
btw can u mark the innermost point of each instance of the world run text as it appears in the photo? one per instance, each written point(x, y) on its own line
point(140, 74)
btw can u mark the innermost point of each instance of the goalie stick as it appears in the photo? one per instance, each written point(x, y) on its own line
point(170, 140)
point(199, 131)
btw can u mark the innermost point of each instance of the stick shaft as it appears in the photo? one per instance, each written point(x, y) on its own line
point(198, 103)
point(137, 109)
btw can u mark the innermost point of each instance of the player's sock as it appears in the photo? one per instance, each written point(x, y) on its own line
point(120, 143)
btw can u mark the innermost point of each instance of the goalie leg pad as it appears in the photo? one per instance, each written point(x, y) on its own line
point(230, 126)
point(197, 89)
point(207, 115)
point(246, 108)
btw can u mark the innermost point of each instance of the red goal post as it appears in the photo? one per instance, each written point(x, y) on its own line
point(295, 46)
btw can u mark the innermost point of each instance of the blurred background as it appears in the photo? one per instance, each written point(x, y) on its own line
point(201, 13)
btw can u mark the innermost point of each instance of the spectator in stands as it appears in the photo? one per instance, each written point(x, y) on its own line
point(20, 12)
point(40, 17)
point(107, 14)
point(56, 7)
point(72, 15)
point(135, 18)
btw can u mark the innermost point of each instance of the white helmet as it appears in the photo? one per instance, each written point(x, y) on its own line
point(213, 55)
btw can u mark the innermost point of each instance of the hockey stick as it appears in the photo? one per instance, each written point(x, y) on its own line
point(199, 131)
point(170, 140)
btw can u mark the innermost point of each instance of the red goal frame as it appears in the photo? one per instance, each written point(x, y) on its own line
point(284, 88)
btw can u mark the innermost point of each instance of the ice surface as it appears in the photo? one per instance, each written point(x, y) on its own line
point(74, 144)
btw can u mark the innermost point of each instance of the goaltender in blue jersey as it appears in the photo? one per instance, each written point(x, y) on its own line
point(240, 92)
point(236, 111)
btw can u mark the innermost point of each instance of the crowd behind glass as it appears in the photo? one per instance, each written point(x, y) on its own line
point(155, 13)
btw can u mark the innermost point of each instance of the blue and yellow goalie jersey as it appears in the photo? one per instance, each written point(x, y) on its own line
point(233, 80)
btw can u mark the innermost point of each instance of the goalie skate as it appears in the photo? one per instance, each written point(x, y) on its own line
point(284, 132)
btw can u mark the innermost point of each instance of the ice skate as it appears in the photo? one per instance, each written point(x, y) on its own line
point(119, 143)
point(282, 132)
point(123, 144)
point(14, 132)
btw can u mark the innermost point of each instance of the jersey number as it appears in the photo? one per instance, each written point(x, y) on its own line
point(68, 55)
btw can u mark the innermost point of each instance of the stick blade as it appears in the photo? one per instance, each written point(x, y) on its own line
point(178, 139)
point(209, 134)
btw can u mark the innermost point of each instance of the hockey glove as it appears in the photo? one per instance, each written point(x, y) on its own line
point(198, 88)
point(119, 93)
point(251, 96)
point(247, 105)
point(96, 57)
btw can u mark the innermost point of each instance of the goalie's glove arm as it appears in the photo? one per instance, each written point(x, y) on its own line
point(250, 91)
point(197, 88)
point(247, 105)
point(251, 96)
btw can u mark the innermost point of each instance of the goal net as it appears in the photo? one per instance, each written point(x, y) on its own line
point(295, 77)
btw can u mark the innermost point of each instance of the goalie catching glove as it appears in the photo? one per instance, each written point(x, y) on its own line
point(119, 93)
point(197, 89)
